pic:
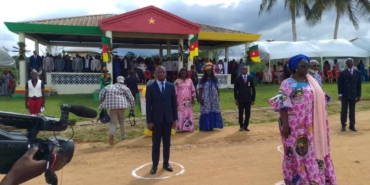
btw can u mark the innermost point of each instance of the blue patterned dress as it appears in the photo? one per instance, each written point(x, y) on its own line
point(210, 114)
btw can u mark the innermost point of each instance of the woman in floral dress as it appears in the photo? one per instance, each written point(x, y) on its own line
point(185, 92)
point(210, 114)
point(304, 127)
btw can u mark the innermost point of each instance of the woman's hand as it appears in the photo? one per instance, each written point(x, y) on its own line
point(201, 101)
point(285, 131)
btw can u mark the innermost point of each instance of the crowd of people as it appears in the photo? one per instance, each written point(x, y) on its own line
point(7, 82)
point(186, 97)
point(301, 103)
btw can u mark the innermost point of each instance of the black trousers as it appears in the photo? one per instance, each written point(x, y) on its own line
point(343, 113)
point(170, 76)
point(162, 132)
point(196, 92)
point(244, 107)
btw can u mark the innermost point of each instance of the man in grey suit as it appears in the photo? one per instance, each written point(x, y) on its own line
point(77, 64)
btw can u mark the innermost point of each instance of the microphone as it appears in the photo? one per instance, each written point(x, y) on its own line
point(80, 111)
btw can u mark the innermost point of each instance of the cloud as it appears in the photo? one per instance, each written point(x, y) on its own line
point(240, 15)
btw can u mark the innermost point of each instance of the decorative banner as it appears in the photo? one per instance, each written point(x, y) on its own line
point(254, 54)
point(193, 47)
point(105, 48)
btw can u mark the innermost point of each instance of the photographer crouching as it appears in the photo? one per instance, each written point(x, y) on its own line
point(117, 97)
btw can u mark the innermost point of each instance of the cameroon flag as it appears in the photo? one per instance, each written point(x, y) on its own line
point(105, 47)
point(193, 47)
point(254, 54)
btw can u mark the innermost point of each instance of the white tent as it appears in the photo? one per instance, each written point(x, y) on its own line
point(339, 48)
point(363, 43)
point(5, 59)
point(281, 49)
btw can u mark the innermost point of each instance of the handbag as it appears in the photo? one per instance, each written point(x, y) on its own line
point(131, 114)
point(149, 133)
point(104, 116)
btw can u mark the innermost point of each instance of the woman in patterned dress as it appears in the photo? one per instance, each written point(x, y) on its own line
point(185, 93)
point(304, 128)
point(210, 114)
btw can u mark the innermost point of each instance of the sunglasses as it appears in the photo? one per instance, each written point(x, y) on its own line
point(304, 65)
point(315, 66)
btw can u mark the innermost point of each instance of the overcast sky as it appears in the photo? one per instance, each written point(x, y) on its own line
point(235, 14)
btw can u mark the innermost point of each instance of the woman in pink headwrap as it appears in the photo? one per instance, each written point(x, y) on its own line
point(304, 127)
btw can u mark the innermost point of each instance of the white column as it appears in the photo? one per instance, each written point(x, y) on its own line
point(110, 64)
point(22, 64)
point(48, 49)
point(168, 48)
point(181, 59)
point(247, 45)
point(227, 53)
point(37, 46)
point(210, 55)
point(190, 62)
point(161, 54)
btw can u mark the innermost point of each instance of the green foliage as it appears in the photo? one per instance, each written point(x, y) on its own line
point(256, 66)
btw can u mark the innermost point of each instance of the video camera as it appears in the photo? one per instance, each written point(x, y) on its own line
point(14, 145)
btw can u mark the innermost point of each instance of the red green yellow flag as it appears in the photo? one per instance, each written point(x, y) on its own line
point(105, 48)
point(254, 54)
point(193, 47)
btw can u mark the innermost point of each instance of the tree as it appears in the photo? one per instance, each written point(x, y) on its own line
point(353, 9)
point(55, 51)
point(6, 49)
point(205, 54)
point(294, 7)
point(130, 55)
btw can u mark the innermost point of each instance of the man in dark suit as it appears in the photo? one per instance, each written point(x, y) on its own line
point(245, 95)
point(35, 61)
point(161, 116)
point(349, 92)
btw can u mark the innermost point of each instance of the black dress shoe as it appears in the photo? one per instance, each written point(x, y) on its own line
point(168, 168)
point(246, 129)
point(343, 129)
point(153, 170)
point(353, 129)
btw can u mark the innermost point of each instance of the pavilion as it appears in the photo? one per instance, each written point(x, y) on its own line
point(146, 28)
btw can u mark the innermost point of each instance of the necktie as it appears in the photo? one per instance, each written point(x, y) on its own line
point(245, 78)
point(162, 89)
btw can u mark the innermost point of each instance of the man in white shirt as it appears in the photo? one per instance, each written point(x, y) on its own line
point(48, 63)
point(34, 95)
point(169, 68)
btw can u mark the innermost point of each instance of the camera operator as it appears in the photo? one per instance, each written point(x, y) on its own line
point(34, 95)
point(117, 97)
point(25, 168)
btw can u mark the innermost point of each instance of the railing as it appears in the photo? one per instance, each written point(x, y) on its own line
point(223, 79)
point(73, 83)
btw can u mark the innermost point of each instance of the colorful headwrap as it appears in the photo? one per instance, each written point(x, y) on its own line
point(207, 66)
point(293, 62)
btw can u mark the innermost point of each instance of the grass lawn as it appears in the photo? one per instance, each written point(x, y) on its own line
point(264, 92)
point(98, 132)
